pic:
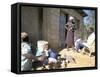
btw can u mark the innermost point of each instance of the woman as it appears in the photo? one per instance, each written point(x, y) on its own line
point(26, 55)
point(70, 27)
point(79, 44)
point(28, 60)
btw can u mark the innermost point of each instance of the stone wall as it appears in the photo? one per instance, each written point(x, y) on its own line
point(44, 24)
point(30, 22)
point(51, 26)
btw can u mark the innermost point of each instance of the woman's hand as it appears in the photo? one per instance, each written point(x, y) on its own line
point(66, 28)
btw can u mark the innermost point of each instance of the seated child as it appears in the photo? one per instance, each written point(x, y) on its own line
point(90, 41)
point(78, 44)
point(51, 54)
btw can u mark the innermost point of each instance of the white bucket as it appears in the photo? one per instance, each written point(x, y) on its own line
point(40, 45)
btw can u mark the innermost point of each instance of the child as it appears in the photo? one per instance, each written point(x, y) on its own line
point(51, 53)
point(78, 44)
point(52, 57)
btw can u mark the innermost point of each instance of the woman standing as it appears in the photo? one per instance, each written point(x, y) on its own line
point(70, 27)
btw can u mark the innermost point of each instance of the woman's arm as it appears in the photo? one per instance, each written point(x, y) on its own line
point(29, 56)
point(39, 58)
point(66, 27)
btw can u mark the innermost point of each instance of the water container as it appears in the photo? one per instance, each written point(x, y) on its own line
point(40, 46)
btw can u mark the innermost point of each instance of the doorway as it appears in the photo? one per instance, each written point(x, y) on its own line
point(62, 30)
point(66, 16)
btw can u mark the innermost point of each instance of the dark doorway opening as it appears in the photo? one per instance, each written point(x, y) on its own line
point(62, 30)
point(66, 18)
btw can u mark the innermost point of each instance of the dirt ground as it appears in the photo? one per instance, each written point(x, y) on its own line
point(82, 60)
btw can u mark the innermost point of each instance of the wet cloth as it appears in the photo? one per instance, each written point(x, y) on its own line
point(90, 40)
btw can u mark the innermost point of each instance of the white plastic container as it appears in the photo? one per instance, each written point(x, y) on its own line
point(40, 44)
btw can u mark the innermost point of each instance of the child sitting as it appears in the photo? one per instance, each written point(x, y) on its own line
point(52, 56)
